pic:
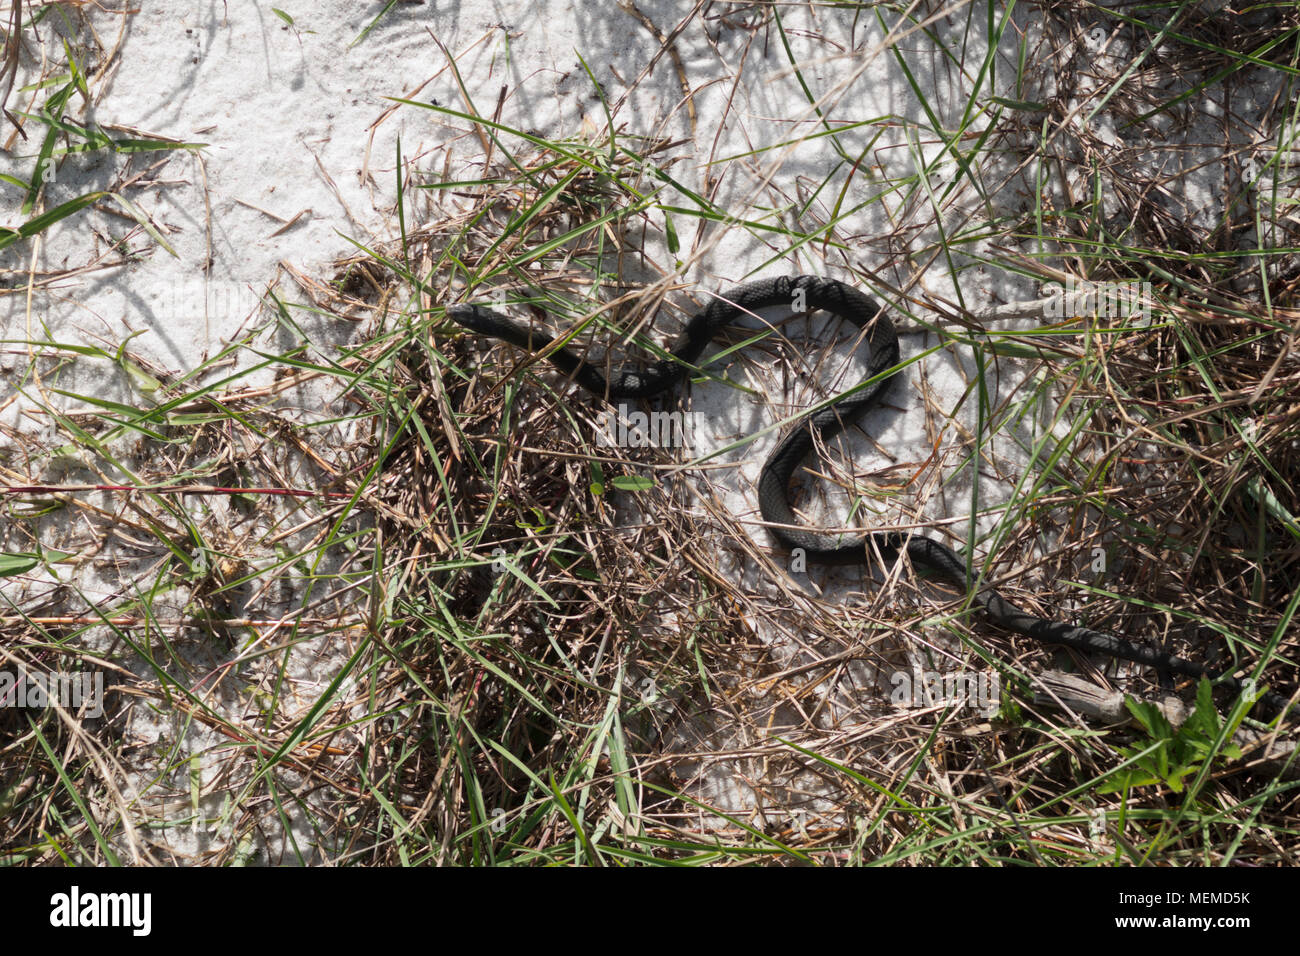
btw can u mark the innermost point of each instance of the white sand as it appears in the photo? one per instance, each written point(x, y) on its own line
point(301, 147)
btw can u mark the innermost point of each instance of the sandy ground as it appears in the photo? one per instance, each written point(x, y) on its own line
point(299, 164)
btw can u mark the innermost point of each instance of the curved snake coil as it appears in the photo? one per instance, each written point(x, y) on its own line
point(774, 480)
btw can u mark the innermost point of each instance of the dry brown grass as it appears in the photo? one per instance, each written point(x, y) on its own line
point(641, 676)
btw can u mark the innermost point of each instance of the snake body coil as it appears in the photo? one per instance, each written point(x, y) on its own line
point(774, 480)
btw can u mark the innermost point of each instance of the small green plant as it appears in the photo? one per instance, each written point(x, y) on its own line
point(1171, 755)
point(75, 137)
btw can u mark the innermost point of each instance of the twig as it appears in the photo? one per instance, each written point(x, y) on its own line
point(1072, 693)
point(85, 621)
point(170, 490)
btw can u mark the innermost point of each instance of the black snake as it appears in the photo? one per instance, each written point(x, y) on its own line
point(774, 481)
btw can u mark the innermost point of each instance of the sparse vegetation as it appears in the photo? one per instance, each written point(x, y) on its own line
point(544, 649)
